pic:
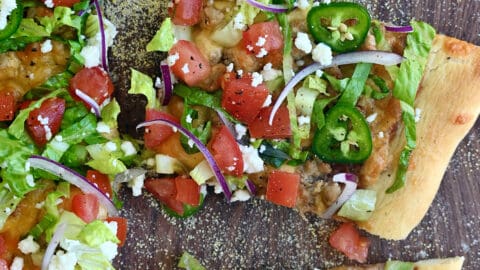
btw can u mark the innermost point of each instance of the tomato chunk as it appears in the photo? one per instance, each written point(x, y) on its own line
point(188, 63)
point(226, 152)
point(241, 99)
point(280, 128)
point(156, 134)
point(101, 181)
point(122, 228)
point(64, 3)
point(7, 106)
point(165, 190)
point(347, 240)
point(263, 38)
point(86, 207)
point(44, 122)
point(282, 188)
point(94, 82)
point(188, 191)
point(186, 12)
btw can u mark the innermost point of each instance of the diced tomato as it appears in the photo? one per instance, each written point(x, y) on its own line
point(25, 104)
point(186, 12)
point(44, 122)
point(156, 134)
point(86, 207)
point(64, 3)
point(101, 181)
point(188, 191)
point(3, 264)
point(282, 188)
point(165, 190)
point(190, 65)
point(264, 37)
point(226, 152)
point(122, 228)
point(94, 82)
point(347, 240)
point(241, 99)
point(280, 128)
point(7, 106)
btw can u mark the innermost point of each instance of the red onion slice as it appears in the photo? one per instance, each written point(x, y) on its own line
point(102, 35)
point(399, 29)
point(52, 246)
point(74, 178)
point(90, 101)
point(251, 187)
point(374, 57)
point(350, 181)
point(227, 123)
point(208, 156)
point(167, 83)
point(268, 7)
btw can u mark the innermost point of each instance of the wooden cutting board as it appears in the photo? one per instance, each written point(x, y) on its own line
point(259, 235)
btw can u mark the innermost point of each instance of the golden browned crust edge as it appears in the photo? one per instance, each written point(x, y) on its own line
point(454, 263)
point(449, 98)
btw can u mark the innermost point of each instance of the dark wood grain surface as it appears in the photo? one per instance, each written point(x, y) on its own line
point(259, 235)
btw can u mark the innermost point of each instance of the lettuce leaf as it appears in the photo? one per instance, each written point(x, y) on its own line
point(143, 84)
point(97, 233)
point(163, 39)
point(419, 43)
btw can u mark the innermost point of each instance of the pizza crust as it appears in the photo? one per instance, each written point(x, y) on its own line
point(450, 104)
point(454, 263)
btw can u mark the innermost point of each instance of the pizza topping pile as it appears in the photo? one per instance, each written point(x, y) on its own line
point(60, 148)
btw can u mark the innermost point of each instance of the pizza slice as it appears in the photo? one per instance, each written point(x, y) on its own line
point(431, 264)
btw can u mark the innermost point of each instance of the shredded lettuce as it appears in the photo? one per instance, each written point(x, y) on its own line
point(8, 202)
point(97, 233)
point(398, 265)
point(355, 85)
point(360, 206)
point(143, 84)
point(202, 131)
point(163, 39)
point(187, 261)
point(410, 74)
point(110, 113)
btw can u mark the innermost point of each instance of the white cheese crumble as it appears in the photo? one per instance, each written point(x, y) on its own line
point(102, 127)
point(230, 67)
point(136, 184)
point(49, 3)
point(303, 4)
point(303, 43)
point(257, 79)
point(46, 46)
point(239, 22)
point(241, 131)
point(322, 54)
point(185, 69)
point(270, 73)
point(188, 119)
point(109, 249)
point(251, 160)
point(43, 121)
point(91, 55)
point(63, 261)
point(172, 59)
point(303, 120)
point(267, 101)
point(261, 41)
point(240, 195)
point(28, 245)
point(48, 132)
point(111, 146)
point(319, 73)
point(381, 135)
point(6, 8)
point(17, 264)
point(240, 73)
point(262, 149)
point(128, 148)
point(371, 117)
point(262, 53)
point(418, 115)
